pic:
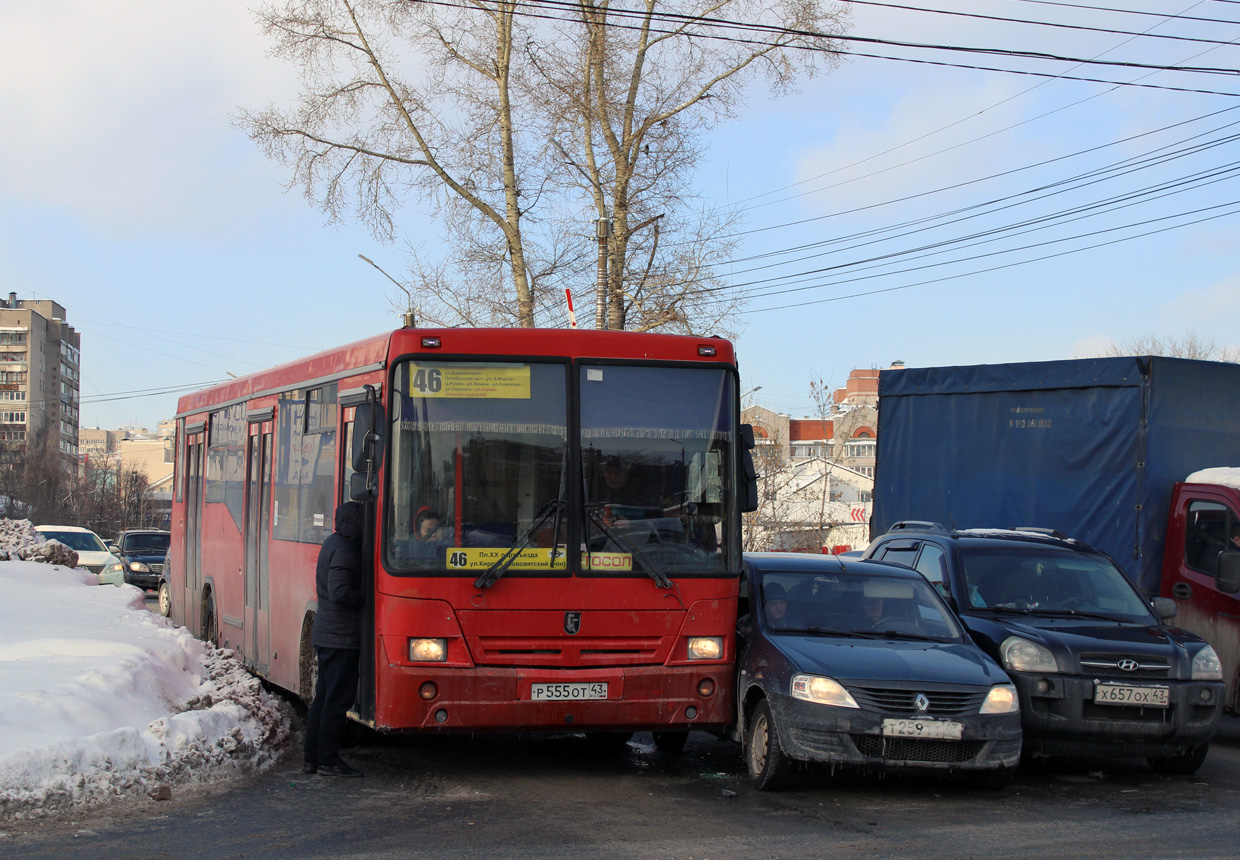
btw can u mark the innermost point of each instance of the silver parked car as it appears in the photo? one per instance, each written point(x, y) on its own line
point(92, 552)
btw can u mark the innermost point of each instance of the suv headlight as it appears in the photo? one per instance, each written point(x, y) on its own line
point(1206, 665)
point(824, 691)
point(1021, 655)
point(138, 567)
point(1001, 699)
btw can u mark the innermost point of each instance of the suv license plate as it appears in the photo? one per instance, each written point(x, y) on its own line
point(1122, 694)
point(570, 692)
point(945, 729)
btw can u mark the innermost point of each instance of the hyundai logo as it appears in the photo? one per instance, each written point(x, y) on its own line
point(922, 703)
point(1129, 665)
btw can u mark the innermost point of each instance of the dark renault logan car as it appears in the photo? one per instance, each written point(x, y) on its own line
point(1097, 670)
point(863, 665)
point(142, 551)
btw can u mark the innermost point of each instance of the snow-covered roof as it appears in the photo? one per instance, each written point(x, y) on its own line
point(1223, 476)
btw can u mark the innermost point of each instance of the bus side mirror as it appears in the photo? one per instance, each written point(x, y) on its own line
point(359, 490)
point(1228, 576)
point(368, 426)
point(749, 477)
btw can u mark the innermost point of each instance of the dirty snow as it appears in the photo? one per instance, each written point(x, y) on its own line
point(103, 701)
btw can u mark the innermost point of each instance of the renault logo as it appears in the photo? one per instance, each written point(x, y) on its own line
point(572, 622)
point(1129, 665)
point(921, 703)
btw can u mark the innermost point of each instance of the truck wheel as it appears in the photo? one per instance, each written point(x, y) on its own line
point(1184, 764)
point(670, 743)
point(768, 767)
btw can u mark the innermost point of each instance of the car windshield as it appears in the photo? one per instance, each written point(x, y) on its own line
point(149, 544)
point(657, 467)
point(1049, 580)
point(855, 604)
point(80, 541)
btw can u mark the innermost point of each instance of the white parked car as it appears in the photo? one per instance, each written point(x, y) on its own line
point(92, 552)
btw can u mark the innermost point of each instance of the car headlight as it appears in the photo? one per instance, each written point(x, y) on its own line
point(1001, 699)
point(428, 650)
point(1021, 655)
point(138, 567)
point(706, 648)
point(824, 691)
point(115, 567)
point(1206, 666)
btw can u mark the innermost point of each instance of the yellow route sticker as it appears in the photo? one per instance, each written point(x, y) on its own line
point(476, 381)
point(530, 558)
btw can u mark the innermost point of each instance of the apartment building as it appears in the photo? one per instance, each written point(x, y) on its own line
point(40, 361)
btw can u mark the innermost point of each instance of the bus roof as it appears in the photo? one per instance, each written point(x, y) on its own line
point(373, 353)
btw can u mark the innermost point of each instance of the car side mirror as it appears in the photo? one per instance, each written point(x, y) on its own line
point(114, 549)
point(1165, 608)
point(1228, 573)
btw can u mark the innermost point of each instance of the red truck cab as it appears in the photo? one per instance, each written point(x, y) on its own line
point(1201, 566)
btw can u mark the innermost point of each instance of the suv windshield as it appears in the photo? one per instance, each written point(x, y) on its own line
point(150, 544)
point(1049, 580)
point(478, 462)
point(656, 463)
point(852, 604)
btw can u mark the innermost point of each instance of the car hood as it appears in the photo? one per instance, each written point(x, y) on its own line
point(104, 558)
point(147, 557)
point(891, 660)
point(1081, 635)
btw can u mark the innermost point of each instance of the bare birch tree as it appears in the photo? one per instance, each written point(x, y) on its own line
point(1191, 345)
point(513, 119)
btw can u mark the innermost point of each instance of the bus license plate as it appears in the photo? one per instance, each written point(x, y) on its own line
point(568, 692)
point(1122, 694)
point(943, 729)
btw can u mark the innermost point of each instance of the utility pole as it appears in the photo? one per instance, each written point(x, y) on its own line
point(602, 230)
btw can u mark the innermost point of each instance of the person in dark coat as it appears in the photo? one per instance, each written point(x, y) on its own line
point(337, 640)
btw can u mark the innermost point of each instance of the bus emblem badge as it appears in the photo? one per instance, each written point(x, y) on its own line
point(572, 622)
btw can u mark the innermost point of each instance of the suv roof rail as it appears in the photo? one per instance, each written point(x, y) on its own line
point(917, 526)
point(1055, 533)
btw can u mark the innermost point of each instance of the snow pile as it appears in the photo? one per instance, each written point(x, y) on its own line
point(102, 701)
point(18, 539)
point(1223, 476)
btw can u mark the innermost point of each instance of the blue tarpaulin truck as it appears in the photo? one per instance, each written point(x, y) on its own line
point(1099, 449)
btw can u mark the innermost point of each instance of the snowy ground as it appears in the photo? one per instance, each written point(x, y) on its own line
point(102, 701)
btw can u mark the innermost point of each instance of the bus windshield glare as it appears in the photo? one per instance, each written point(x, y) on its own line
point(480, 458)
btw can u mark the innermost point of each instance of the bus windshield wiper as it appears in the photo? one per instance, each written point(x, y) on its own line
point(501, 565)
point(596, 516)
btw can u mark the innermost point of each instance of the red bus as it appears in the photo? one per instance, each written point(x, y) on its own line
point(553, 518)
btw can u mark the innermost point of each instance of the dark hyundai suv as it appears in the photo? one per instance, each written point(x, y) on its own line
point(1097, 669)
point(142, 551)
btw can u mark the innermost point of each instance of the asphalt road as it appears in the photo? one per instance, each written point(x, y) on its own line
point(507, 797)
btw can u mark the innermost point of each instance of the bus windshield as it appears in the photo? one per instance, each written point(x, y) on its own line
point(657, 465)
point(480, 478)
point(478, 461)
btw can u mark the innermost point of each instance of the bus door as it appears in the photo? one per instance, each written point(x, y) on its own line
point(257, 635)
point(195, 449)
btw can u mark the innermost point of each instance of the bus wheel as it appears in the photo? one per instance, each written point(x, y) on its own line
point(670, 743)
point(209, 633)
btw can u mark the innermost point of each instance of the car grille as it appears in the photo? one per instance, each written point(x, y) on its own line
point(1127, 713)
point(156, 568)
point(94, 568)
point(942, 703)
point(1108, 665)
point(911, 749)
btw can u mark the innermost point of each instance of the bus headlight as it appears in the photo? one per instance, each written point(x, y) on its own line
point(824, 691)
point(706, 648)
point(428, 650)
point(1001, 700)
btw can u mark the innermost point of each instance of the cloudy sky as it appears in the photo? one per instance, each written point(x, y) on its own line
point(894, 210)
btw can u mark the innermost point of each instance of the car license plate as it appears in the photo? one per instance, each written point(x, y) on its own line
point(569, 692)
point(945, 729)
point(1122, 694)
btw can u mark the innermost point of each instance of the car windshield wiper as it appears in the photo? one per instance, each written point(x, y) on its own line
point(1011, 609)
point(900, 634)
point(1074, 613)
point(595, 514)
point(501, 565)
